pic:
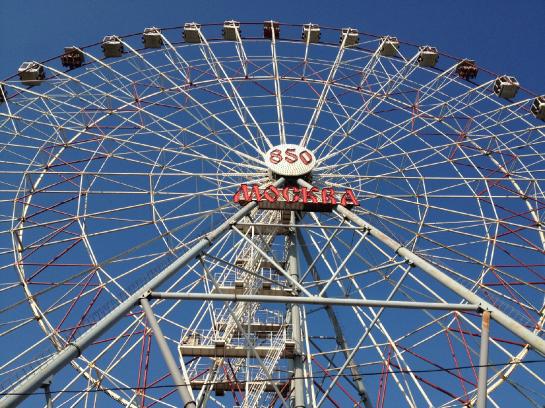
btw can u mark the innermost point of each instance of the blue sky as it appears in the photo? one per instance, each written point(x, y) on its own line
point(503, 36)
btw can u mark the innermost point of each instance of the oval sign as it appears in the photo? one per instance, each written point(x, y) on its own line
point(290, 160)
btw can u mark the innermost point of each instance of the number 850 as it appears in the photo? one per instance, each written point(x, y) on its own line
point(290, 156)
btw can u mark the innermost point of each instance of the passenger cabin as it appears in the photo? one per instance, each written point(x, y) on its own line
point(269, 27)
point(311, 33)
point(506, 87)
point(152, 38)
point(72, 58)
point(428, 56)
point(31, 73)
point(538, 107)
point(3, 93)
point(467, 69)
point(112, 47)
point(389, 46)
point(192, 33)
point(231, 30)
point(352, 37)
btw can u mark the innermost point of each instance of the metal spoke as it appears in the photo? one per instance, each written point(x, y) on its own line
point(157, 244)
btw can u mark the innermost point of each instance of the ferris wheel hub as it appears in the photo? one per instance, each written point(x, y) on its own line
point(447, 183)
point(290, 160)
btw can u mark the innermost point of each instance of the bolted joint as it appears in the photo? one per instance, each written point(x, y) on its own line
point(291, 231)
point(47, 382)
point(76, 347)
point(146, 295)
point(296, 291)
point(209, 237)
point(483, 308)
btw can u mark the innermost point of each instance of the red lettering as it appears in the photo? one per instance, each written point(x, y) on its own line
point(294, 194)
point(291, 157)
point(276, 156)
point(267, 194)
point(286, 194)
point(305, 157)
point(349, 194)
point(309, 194)
point(328, 196)
point(247, 195)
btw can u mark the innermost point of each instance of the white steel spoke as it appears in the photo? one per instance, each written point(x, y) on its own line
point(236, 100)
point(323, 95)
point(278, 91)
point(130, 168)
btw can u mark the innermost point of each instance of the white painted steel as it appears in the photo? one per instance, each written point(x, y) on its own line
point(111, 170)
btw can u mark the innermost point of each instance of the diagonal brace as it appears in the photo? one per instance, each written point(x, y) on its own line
point(74, 349)
point(184, 389)
point(507, 322)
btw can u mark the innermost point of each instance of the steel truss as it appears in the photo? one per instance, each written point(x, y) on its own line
point(430, 293)
point(75, 349)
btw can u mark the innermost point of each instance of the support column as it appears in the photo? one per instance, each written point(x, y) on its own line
point(47, 391)
point(483, 361)
point(184, 389)
point(298, 393)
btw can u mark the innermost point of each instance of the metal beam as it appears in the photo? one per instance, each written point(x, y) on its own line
point(277, 90)
point(75, 348)
point(510, 324)
point(314, 300)
point(184, 389)
point(323, 95)
point(47, 391)
point(298, 395)
point(483, 361)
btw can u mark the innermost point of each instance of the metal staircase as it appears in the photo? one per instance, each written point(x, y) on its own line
point(239, 330)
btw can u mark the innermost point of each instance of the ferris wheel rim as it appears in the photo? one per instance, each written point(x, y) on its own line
point(491, 73)
point(203, 25)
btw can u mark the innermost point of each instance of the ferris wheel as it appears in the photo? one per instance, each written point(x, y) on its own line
point(266, 215)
